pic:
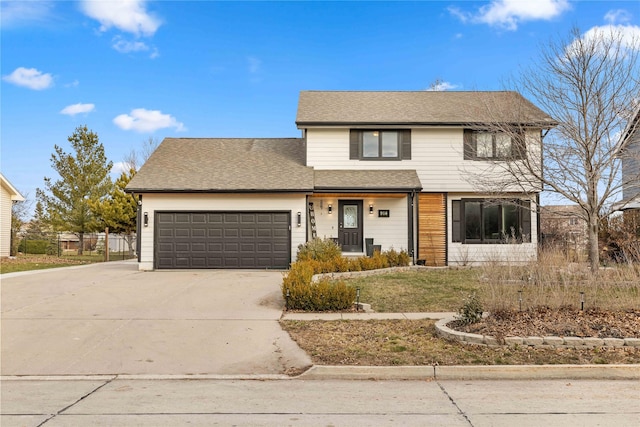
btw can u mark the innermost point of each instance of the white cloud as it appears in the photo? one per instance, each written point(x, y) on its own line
point(629, 35)
point(129, 16)
point(617, 16)
point(72, 110)
point(439, 86)
point(74, 83)
point(126, 46)
point(16, 13)
point(143, 120)
point(30, 78)
point(507, 14)
point(119, 167)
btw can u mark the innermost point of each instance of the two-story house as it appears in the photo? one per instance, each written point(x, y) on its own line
point(630, 157)
point(390, 169)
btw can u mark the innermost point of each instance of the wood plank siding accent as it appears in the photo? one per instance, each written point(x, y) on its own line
point(432, 229)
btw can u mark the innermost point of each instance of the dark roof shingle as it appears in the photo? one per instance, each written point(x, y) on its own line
point(225, 165)
point(418, 107)
point(367, 180)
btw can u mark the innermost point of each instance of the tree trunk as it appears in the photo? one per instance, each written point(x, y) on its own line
point(594, 247)
point(81, 246)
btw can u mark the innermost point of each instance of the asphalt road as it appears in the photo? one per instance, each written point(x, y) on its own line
point(113, 401)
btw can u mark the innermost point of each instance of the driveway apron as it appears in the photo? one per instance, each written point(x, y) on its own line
point(110, 318)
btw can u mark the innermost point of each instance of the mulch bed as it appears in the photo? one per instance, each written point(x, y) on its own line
point(564, 322)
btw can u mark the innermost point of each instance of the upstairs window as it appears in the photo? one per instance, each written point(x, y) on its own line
point(373, 144)
point(490, 221)
point(486, 145)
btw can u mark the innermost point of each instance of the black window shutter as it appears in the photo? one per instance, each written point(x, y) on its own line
point(469, 149)
point(456, 223)
point(405, 144)
point(518, 145)
point(525, 220)
point(354, 144)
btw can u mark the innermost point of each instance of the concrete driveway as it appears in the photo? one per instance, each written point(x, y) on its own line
point(111, 318)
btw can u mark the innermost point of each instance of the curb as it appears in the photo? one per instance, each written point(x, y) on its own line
point(505, 372)
point(388, 373)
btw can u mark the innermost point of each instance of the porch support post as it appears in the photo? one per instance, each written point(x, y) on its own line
point(410, 207)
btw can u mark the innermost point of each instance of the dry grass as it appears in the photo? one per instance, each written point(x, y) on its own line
point(555, 283)
point(414, 343)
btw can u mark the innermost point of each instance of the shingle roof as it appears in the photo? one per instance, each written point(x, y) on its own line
point(225, 165)
point(367, 180)
point(423, 107)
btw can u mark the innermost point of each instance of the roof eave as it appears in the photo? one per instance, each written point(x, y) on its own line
point(368, 189)
point(305, 124)
point(217, 191)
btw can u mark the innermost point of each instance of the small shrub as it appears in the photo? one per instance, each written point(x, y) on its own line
point(471, 310)
point(320, 250)
point(38, 247)
point(324, 295)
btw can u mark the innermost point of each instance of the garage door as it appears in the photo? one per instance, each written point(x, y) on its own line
point(222, 240)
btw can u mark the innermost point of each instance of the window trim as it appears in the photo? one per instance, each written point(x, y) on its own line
point(518, 145)
point(458, 221)
point(356, 141)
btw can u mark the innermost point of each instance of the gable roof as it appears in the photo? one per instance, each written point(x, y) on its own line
point(225, 165)
point(367, 180)
point(14, 194)
point(322, 108)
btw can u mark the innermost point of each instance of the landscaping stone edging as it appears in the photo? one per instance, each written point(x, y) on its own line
point(352, 274)
point(543, 342)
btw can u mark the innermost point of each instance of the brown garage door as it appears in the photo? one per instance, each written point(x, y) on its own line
point(222, 240)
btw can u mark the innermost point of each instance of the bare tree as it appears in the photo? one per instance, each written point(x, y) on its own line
point(136, 158)
point(589, 85)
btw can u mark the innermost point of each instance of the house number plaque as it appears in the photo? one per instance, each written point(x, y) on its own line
point(383, 213)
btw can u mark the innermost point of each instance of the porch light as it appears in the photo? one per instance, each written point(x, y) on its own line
point(146, 219)
point(299, 219)
point(329, 208)
point(370, 209)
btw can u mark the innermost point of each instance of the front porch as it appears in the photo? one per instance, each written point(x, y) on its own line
point(361, 223)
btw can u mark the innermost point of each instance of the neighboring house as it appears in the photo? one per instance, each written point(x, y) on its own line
point(7, 198)
point(562, 226)
point(630, 141)
point(382, 168)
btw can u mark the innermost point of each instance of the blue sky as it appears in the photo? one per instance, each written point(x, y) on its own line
point(131, 70)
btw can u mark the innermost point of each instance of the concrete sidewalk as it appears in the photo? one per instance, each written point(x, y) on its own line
point(364, 316)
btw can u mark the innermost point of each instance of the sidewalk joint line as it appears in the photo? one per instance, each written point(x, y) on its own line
point(77, 401)
point(453, 402)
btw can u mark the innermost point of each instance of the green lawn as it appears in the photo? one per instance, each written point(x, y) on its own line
point(417, 291)
point(41, 262)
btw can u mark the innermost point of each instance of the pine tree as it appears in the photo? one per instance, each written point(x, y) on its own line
point(84, 178)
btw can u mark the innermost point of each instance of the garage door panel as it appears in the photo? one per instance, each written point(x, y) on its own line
point(231, 232)
point(223, 240)
point(248, 233)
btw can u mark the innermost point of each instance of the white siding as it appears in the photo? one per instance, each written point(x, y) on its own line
point(474, 254)
point(5, 222)
point(213, 202)
point(437, 154)
point(631, 168)
point(392, 232)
